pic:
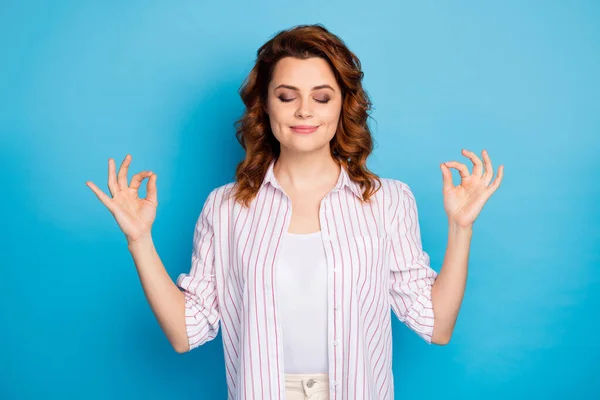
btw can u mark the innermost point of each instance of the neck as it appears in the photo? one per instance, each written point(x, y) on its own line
point(306, 171)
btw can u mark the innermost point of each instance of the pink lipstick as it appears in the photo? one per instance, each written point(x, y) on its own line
point(304, 129)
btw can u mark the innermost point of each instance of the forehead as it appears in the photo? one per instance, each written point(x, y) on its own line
point(304, 74)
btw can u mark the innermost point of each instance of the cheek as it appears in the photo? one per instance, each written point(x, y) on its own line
point(331, 115)
point(277, 112)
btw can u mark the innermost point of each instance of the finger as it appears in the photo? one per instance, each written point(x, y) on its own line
point(122, 177)
point(136, 180)
point(151, 192)
point(492, 188)
point(489, 170)
point(477, 164)
point(101, 195)
point(112, 178)
point(462, 168)
point(447, 178)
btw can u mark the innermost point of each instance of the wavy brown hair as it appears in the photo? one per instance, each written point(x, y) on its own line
point(352, 142)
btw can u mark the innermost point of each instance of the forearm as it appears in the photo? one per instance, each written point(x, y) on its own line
point(449, 287)
point(166, 300)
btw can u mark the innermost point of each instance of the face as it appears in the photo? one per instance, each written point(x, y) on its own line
point(304, 103)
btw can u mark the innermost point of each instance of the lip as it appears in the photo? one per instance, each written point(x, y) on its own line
point(305, 129)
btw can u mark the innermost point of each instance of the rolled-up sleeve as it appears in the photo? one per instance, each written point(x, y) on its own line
point(411, 277)
point(202, 315)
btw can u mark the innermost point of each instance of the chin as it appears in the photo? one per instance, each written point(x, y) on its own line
point(307, 148)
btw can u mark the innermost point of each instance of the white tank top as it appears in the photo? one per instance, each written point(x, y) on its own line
point(302, 302)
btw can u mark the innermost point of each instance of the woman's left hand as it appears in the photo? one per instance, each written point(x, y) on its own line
point(464, 202)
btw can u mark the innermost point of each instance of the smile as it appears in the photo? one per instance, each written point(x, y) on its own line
point(304, 129)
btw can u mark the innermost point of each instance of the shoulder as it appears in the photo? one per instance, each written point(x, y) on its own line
point(220, 195)
point(394, 191)
point(394, 184)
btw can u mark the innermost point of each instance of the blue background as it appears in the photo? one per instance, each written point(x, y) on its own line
point(82, 81)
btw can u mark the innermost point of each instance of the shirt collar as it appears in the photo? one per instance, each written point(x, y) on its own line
point(344, 180)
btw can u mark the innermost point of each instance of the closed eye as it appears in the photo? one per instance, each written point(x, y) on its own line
point(287, 100)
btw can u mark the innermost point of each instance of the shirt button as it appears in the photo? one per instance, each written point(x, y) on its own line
point(335, 270)
point(337, 307)
point(335, 342)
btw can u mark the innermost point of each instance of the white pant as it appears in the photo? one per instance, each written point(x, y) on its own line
point(307, 386)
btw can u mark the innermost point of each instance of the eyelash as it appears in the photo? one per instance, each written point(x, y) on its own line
point(284, 100)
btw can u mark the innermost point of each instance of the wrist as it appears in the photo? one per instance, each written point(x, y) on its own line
point(454, 227)
point(143, 241)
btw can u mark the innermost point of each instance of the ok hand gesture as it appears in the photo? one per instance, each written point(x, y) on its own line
point(464, 202)
point(134, 215)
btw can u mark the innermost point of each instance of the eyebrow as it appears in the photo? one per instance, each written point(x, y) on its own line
point(296, 89)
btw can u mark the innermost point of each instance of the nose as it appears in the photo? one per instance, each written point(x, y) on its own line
point(303, 110)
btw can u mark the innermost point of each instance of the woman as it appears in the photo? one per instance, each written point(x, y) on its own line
point(301, 257)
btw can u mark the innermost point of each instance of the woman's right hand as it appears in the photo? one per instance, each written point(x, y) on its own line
point(135, 216)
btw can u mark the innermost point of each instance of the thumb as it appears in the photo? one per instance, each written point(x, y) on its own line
point(151, 192)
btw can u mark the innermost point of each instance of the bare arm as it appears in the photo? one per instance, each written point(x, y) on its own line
point(135, 217)
point(462, 204)
point(449, 288)
point(166, 300)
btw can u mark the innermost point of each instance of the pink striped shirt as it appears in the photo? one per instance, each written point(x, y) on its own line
point(375, 262)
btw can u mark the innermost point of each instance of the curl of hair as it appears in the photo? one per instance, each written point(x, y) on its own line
point(352, 142)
